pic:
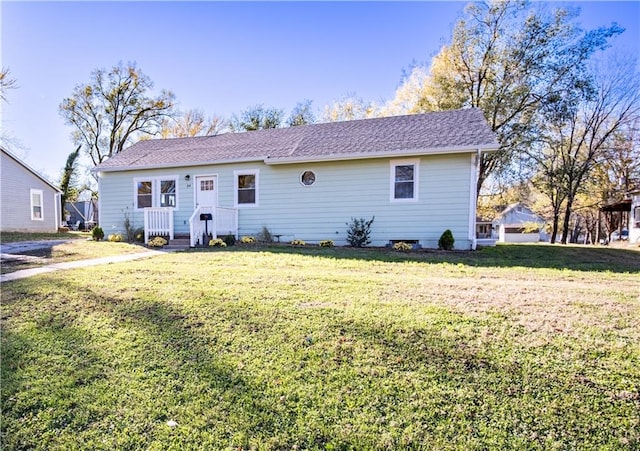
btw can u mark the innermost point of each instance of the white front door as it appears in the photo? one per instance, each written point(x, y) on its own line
point(206, 195)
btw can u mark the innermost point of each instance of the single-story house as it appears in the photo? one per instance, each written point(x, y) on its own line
point(515, 223)
point(28, 201)
point(415, 174)
point(634, 218)
point(518, 223)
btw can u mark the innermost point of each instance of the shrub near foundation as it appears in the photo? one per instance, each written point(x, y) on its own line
point(97, 233)
point(446, 241)
point(157, 241)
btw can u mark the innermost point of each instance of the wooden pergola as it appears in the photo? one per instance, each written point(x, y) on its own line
point(621, 209)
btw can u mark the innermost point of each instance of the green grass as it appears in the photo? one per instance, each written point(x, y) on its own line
point(307, 348)
point(12, 237)
point(69, 251)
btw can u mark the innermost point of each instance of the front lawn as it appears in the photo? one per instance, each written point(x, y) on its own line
point(249, 348)
point(12, 237)
point(68, 251)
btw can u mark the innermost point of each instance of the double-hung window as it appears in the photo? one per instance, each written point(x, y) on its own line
point(36, 204)
point(404, 181)
point(246, 188)
point(167, 193)
point(156, 192)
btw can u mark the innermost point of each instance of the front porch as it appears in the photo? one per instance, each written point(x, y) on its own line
point(204, 223)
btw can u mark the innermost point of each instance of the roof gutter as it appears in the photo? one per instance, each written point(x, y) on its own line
point(180, 164)
point(386, 154)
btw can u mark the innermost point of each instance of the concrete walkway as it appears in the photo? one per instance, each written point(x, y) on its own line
point(23, 273)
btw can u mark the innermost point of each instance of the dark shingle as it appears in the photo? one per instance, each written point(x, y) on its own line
point(419, 133)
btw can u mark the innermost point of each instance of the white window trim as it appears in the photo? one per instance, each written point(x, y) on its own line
point(256, 173)
point(392, 179)
point(155, 190)
point(41, 194)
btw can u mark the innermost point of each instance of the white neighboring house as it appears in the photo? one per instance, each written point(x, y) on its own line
point(415, 174)
point(634, 218)
point(517, 224)
point(28, 201)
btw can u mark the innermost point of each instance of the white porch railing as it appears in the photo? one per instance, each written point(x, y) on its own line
point(224, 221)
point(158, 221)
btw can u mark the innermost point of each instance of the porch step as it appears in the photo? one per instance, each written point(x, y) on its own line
point(178, 243)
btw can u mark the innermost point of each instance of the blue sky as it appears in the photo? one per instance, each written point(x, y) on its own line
point(223, 57)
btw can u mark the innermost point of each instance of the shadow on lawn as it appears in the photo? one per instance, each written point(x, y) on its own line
point(577, 258)
point(177, 362)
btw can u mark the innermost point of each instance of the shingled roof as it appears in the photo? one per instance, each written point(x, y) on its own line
point(418, 134)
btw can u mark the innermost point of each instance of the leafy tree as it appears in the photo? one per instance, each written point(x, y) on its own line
point(507, 59)
point(349, 108)
point(408, 98)
point(256, 118)
point(579, 131)
point(6, 83)
point(113, 110)
point(67, 183)
point(619, 172)
point(302, 114)
point(191, 123)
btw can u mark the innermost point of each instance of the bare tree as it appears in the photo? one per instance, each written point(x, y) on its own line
point(191, 123)
point(114, 110)
point(580, 131)
point(256, 118)
point(6, 83)
point(301, 114)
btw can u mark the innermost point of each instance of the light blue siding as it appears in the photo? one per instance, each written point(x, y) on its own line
point(343, 189)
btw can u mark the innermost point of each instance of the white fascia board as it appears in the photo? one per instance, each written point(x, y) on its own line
point(394, 154)
point(178, 165)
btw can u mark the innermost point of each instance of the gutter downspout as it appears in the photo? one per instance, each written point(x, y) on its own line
point(99, 223)
point(473, 198)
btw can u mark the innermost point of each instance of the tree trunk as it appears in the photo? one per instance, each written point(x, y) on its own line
point(554, 231)
point(567, 218)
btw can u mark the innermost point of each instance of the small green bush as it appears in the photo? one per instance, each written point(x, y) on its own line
point(326, 243)
point(446, 240)
point(298, 243)
point(218, 242)
point(97, 233)
point(402, 246)
point(359, 232)
point(115, 237)
point(157, 241)
point(247, 240)
point(230, 239)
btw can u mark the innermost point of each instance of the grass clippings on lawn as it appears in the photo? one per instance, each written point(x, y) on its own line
point(325, 349)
